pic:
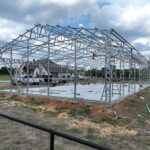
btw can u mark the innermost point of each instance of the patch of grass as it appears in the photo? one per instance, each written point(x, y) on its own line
point(107, 120)
point(29, 107)
point(137, 107)
point(85, 112)
point(18, 142)
point(59, 147)
point(61, 109)
point(61, 127)
point(141, 121)
point(4, 77)
point(51, 114)
point(102, 141)
point(125, 122)
point(145, 141)
point(92, 137)
point(73, 112)
point(75, 130)
point(90, 130)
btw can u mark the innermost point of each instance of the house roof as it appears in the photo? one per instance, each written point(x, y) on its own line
point(53, 67)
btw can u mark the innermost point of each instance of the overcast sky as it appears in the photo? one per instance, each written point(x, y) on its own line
point(131, 18)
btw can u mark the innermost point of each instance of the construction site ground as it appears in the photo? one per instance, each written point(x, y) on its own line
point(121, 126)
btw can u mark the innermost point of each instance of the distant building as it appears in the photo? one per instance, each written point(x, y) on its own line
point(40, 67)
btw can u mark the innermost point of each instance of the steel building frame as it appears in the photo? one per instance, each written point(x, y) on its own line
point(80, 48)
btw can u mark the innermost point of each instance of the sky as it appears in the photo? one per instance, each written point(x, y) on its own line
point(131, 18)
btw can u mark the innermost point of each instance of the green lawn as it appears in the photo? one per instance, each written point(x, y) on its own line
point(4, 77)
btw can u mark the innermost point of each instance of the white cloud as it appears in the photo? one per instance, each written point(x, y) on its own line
point(130, 18)
point(29, 18)
point(65, 2)
point(60, 2)
point(10, 29)
point(136, 17)
point(80, 25)
point(146, 53)
point(142, 40)
point(128, 15)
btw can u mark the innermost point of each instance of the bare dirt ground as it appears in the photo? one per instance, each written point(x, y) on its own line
point(122, 126)
point(4, 85)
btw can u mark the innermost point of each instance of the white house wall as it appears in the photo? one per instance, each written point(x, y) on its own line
point(36, 71)
point(19, 71)
point(42, 71)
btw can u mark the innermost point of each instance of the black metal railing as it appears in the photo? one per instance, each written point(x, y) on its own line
point(57, 133)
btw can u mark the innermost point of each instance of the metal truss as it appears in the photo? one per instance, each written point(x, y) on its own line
point(80, 48)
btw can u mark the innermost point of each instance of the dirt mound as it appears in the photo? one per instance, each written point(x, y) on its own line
point(100, 111)
point(96, 110)
point(52, 102)
point(63, 115)
point(46, 104)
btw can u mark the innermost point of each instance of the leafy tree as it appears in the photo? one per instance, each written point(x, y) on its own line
point(5, 71)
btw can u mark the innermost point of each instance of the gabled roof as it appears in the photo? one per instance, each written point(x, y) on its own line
point(53, 67)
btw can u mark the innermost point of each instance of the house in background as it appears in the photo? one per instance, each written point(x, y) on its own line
point(40, 67)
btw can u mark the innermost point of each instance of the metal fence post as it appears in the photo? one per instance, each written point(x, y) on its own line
point(51, 141)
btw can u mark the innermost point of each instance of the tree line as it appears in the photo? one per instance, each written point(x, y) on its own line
point(89, 73)
point(5, 70)
point(101, 72)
